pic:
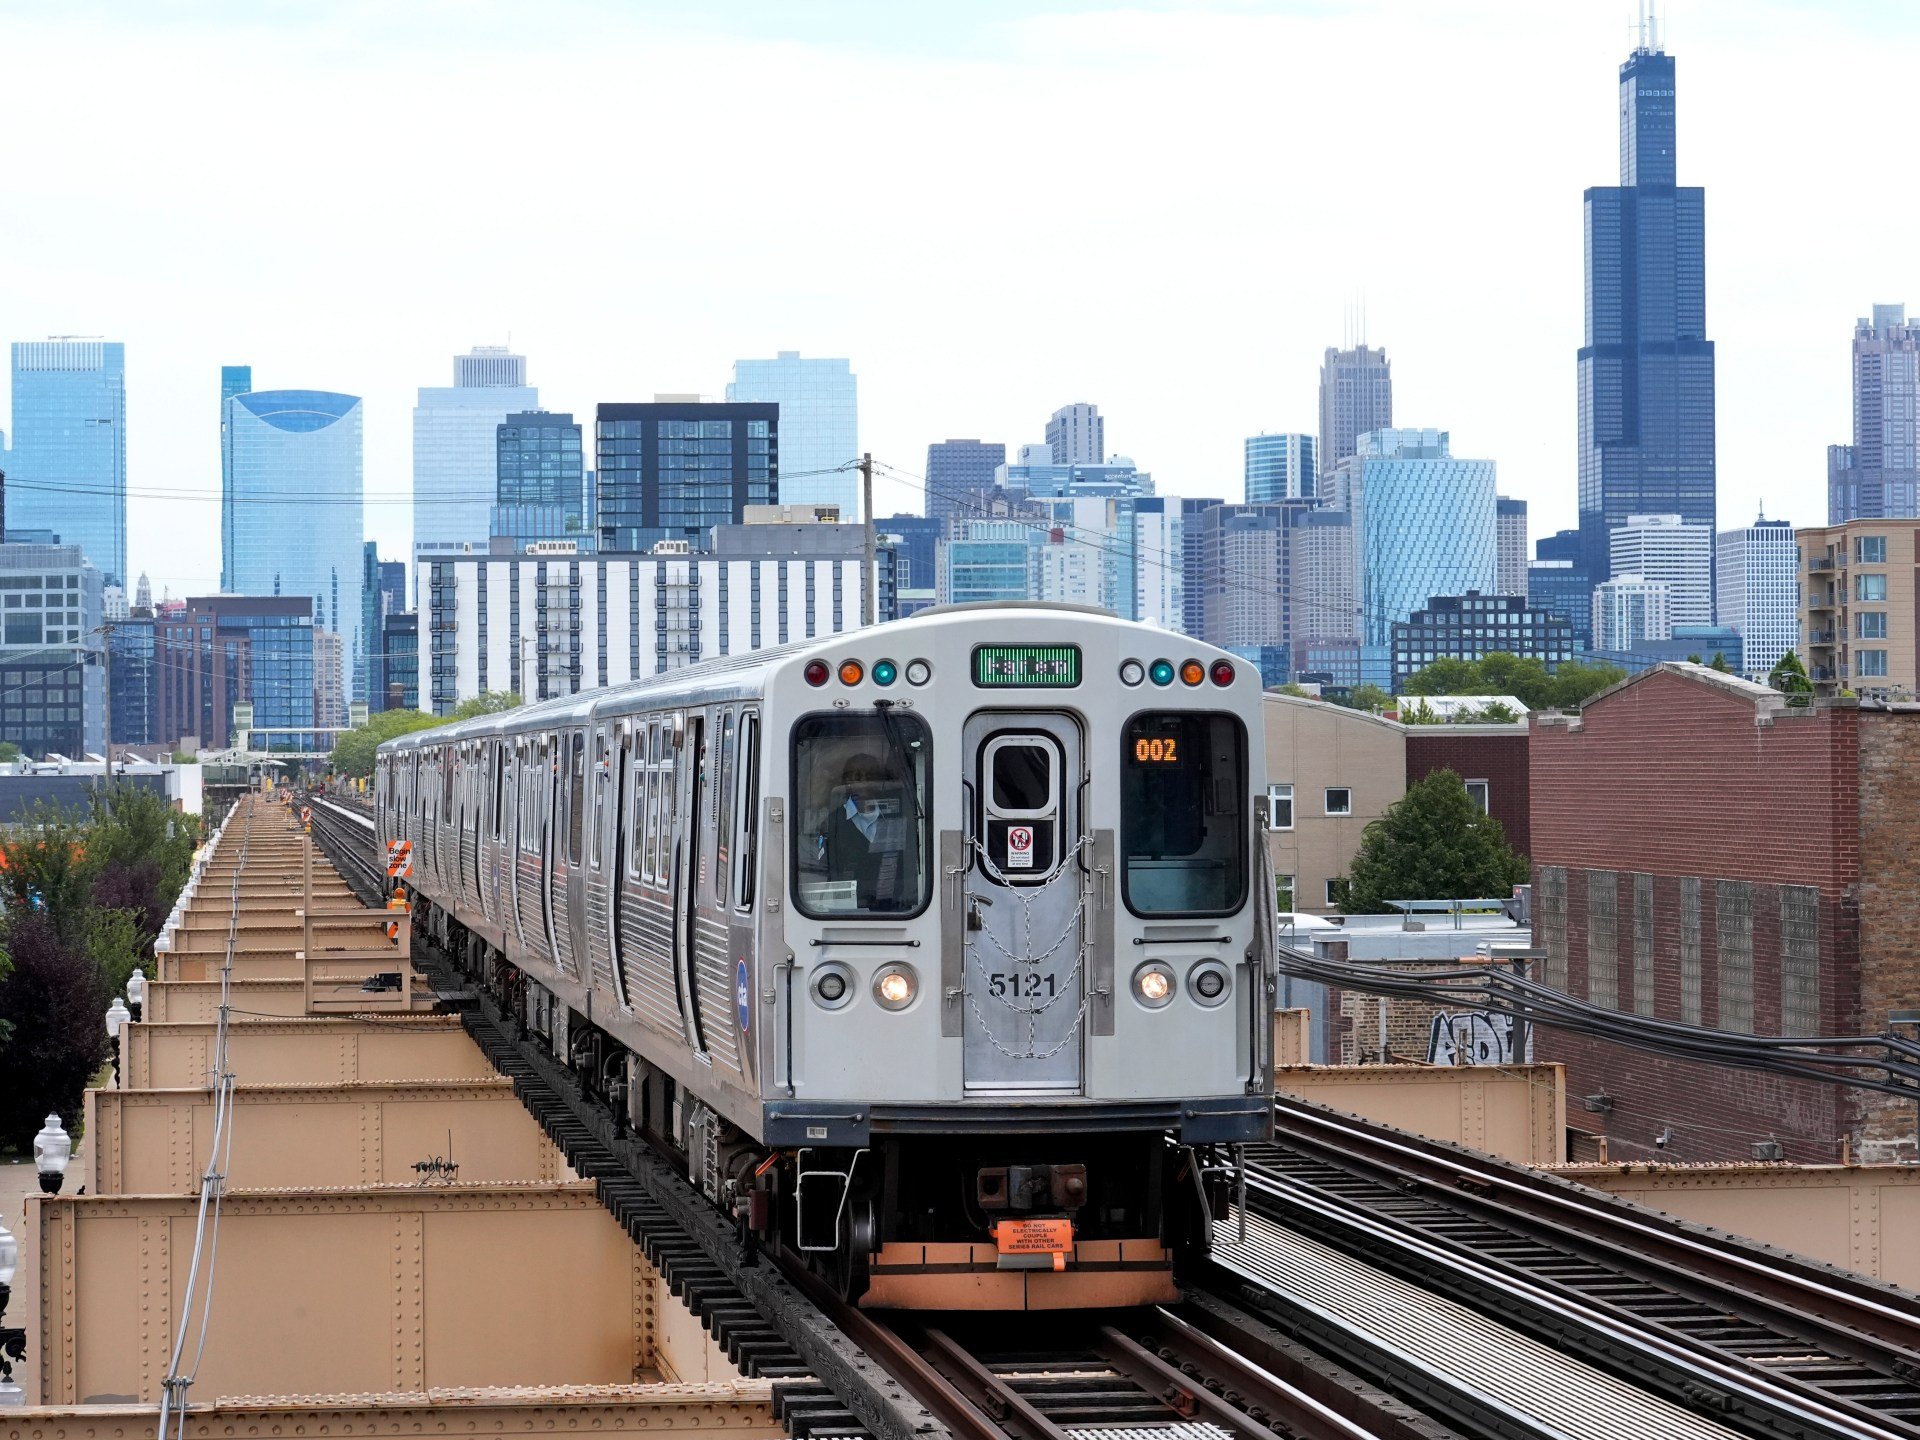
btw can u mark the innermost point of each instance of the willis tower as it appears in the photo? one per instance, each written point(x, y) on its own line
point(1646, 369)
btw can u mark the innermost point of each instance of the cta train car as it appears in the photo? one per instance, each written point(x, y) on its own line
point(938, 952)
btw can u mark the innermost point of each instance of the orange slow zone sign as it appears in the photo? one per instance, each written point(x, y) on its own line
point(1034, 1237)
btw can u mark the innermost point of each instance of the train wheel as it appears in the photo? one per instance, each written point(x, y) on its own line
point(859, 1238)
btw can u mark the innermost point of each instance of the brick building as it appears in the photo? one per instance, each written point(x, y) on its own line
point(1705, 853)
point(1491, 759)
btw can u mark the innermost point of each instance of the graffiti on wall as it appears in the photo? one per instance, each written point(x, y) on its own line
point(1472, 1037)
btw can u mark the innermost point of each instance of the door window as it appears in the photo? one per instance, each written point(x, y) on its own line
point(1023, 788)
point(576, 794)
point(747, 789)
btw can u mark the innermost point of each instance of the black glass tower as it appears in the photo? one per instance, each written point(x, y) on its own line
point(1646, 369)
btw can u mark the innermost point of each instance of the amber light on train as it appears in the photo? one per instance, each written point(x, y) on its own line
point(1192, 672)
point(850, 672)
point(1223, 672)
point(816, 672)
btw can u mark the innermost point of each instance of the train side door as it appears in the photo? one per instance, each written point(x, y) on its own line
point(1025, 904)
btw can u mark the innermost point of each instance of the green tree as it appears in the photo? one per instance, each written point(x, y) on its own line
point(9, 752)
point(1444, 677)
point(487, 702)
point(1432, 844)
point(1576, 682)
point(1494, 712)
point(1299, 692)
point(1789, 677)
point(46, 870)
point(1719, 662)
point(1365, 697)
point(353, 752)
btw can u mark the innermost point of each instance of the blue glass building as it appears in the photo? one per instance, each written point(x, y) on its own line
point(1280, 467)
point(400, 644)
point(294, 486)
point(130, 660)
point(67, 470)
point(988, 560)
point(1646, 369)
point(819, 404)
point(541, 481)
point(672, 470)
point(234, 380)
point(1425, 523)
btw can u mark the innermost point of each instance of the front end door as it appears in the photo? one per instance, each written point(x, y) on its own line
point(1025, 904)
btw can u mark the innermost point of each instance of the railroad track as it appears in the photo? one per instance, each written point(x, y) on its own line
point(1251, 1354)
point(1775, 1343)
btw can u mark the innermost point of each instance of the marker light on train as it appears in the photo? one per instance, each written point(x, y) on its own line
point(1132, 672)
point(885, 672)
point(918, 672)
point(816, 672)
point(850, 672)
point(1223, 672)
point(1153, 984)
point(1192, 672)
point(1162, 672)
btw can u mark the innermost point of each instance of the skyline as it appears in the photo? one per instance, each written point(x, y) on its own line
point(945, 322)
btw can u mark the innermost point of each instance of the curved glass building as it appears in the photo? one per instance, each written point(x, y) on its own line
point(295, 516)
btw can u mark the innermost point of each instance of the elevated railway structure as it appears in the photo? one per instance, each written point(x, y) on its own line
point(1373, 1283)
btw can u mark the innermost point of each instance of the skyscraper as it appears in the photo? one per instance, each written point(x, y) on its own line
point(1077, 435)
point(1878, 475)
point(455, 445)
point(957, 470)
point(1629, 609)
point(1280, 467)
point(1424, 524)
point(541, 489)
point(674, 469)
point(295, 490)
point(1510, 560)
point(1356, 396)
point(1646, 370)
point(67, 470)
point(234, 380)
point(1665, 548)
point(1757, 591)
point(819, 404)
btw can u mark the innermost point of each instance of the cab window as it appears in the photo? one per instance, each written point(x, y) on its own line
point(863, 837)
point(1183, 814)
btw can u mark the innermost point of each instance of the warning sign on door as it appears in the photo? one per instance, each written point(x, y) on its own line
point(1019, 847)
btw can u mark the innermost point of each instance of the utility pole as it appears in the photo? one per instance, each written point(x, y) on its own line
point(870, 587)
point(106, 661)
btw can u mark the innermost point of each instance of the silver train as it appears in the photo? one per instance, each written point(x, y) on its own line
point(936, 950)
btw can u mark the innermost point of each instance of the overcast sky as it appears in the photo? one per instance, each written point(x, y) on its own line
point(992, 208)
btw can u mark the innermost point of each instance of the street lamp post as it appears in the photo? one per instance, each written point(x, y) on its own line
point(136, 991)
point(117, 1018)
point(52, 1149)
point(13, 1338)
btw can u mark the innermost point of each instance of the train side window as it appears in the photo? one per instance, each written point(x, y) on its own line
point(650, 845)
point(636, 811)
point(1183, 813)
point(746, 786)
point(576, 793)
point(446, 784)
point(721, 817)
point(602, 772)
point(499, 786)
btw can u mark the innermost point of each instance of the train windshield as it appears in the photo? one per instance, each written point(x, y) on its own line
point(863, 802)
point(1183, 813)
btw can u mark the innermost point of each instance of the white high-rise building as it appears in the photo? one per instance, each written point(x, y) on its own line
point(1076, 435)
point(1757, 591)
point(819, 404)
point(456, 446)
point(1667, 549)
point(1629, 609)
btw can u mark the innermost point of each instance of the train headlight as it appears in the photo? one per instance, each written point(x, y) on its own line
point(1208, 983)
point(1153, 985)
point(918, 672)
point(1132, 672)
point(832, 986)
point(895, 987)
